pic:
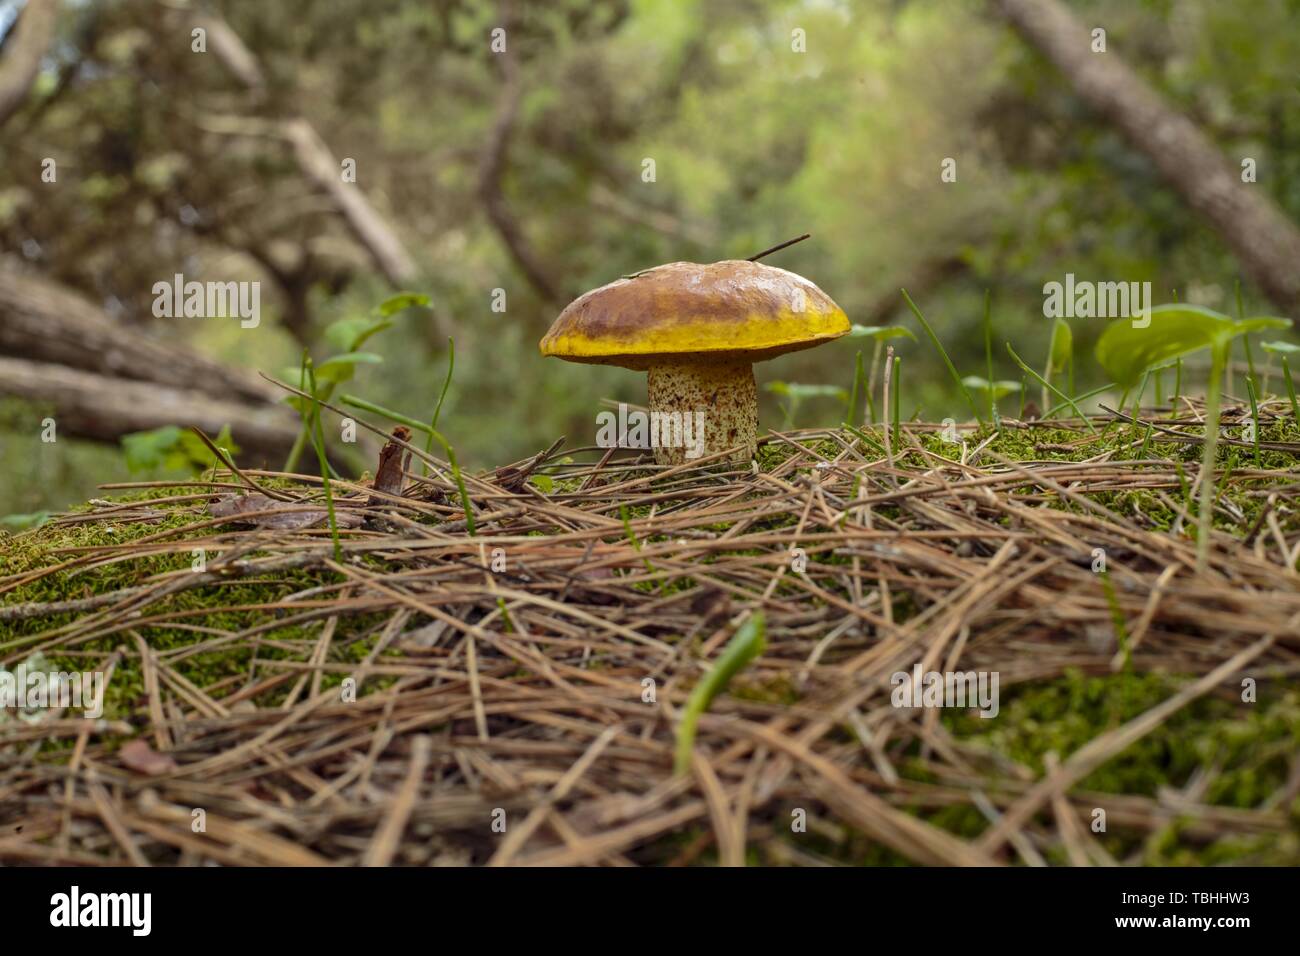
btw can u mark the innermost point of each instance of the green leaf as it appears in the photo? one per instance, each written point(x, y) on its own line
point(1062, 349)
point(1050, 387)
point(191, 452)
point(148, 450)
point(403, 300)
point(173, 449)
point(1280, 348)
point(347, 335)
point(544, 483)
point(799, 391)
point(340, 368)
point(1001, 388)
point(1127, 352)
point(25, 522)
point(879, 332)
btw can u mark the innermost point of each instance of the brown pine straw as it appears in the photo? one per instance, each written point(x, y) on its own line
point(520, 694)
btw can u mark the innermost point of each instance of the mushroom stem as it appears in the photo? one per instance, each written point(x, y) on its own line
point(718, 397)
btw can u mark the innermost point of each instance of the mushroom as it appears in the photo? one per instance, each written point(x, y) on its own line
point(697, 329)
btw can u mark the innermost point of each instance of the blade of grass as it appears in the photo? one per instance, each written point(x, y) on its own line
point(1250, 358)
point(295, 452)
point(1205, 517)
point(1117, 618)
point(988, 362)
point(894, 395)
point(1142, 390)
point(871, 379)
point(853, 396)
point(1146, 440)
point(866, 439)
point(1290, 389)
point(318, 439)
point(746, 645)
point(1254, 416)
point(631, 537)
point(952, 369)
point(1051, 388)
point(446, 384)
point(1078, 398)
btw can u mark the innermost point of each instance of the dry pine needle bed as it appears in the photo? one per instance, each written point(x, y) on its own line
point(511, 696)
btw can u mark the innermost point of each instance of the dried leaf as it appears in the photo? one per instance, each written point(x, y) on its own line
point(245, 509)
point(426, 636)
point(140, 757)
point(393, 462)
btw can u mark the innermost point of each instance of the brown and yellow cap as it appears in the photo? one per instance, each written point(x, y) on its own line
point(729, 310)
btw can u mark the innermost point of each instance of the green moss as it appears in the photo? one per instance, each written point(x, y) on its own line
point(776, 689)
point(1249, 746)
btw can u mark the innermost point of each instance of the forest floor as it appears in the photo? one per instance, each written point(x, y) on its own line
point(509, 692)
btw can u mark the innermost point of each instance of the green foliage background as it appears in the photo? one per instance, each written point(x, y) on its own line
point(753, 143)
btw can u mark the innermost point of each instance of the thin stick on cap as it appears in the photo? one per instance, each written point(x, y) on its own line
point(788, 242)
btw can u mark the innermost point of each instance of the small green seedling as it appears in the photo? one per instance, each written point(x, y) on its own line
point(988, 359)
point(1284, 349)
point(897, 376)
point(632, 538)
point(1048, 386)
point(316, 433)
point(347, 336)
point(1128, 352)
point(990, 392)
point(881, 334)
point(748, 643)
point(24, 522)
point(442, 397)
point(173, 449)
point(1060, 357)
point(952, 369)
point(1254, 429)
point(796, 393)
point(859, 380)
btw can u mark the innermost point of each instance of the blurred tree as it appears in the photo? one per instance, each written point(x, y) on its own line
point(923, 143)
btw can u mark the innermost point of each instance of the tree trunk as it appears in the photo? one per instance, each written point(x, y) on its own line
point(86, 405)
point(24, 48)
point(1259, 234)
point(43, 321)
point(315, 160)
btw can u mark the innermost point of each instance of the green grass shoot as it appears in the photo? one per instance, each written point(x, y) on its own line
point(747, 644)
point(952, 369)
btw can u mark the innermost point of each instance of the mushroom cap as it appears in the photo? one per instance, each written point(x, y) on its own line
point(732, 310)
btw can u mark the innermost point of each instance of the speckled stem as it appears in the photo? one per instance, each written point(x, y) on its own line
point(722, 396)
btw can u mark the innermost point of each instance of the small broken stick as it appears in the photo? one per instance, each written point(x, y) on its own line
point(394, 459)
